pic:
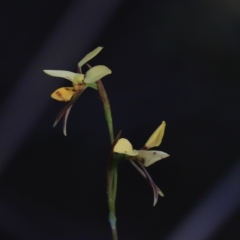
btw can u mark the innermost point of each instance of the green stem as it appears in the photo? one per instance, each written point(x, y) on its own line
point(115, 179)
point(112, 190)
point(113, 163)
point(107, 109)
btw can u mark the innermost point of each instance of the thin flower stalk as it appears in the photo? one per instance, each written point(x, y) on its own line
point(107, 109)
point(113, 161)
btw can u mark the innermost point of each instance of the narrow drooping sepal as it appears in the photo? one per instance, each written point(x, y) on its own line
point(89, 56)
point(65, 120)
point(146, 175)
point(160, 192)
point(152, 184)
point(156, 138)
point(96, 73)
point(75, 78)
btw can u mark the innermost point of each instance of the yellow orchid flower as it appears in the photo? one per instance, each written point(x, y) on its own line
point(80, 82)
point(144, 158)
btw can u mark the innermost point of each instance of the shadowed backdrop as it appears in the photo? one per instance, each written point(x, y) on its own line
point(176, 61)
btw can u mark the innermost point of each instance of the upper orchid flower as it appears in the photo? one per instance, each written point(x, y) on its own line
point(144, 158)
point(80, 82)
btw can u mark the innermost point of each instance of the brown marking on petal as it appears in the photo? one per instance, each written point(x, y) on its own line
point(70, 88)
point(60, 95)
point(154, 153)
point(141, 160)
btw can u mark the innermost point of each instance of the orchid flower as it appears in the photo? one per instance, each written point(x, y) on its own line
point(144, 158)
point(79, 81)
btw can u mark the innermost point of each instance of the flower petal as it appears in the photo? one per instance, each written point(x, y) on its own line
point(71, 102)
point(125, 147)
point(73, 77)
point(89, 56)
point(96, 73)
point(156, 138)
point(63, 94)
point(147, 158)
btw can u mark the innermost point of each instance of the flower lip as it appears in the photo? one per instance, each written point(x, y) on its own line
point(63, 94)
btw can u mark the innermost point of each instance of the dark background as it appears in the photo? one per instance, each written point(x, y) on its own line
point(176, 61)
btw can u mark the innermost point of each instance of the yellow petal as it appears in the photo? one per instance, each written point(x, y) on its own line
point(63, 94)
point(89, 56)
point(73, 77)
point(96, 73)
point(156, 138)
point(125, 147)
point(147, 158)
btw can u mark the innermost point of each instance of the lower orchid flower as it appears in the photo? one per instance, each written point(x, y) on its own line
point(144, 158)
point(80, 83)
